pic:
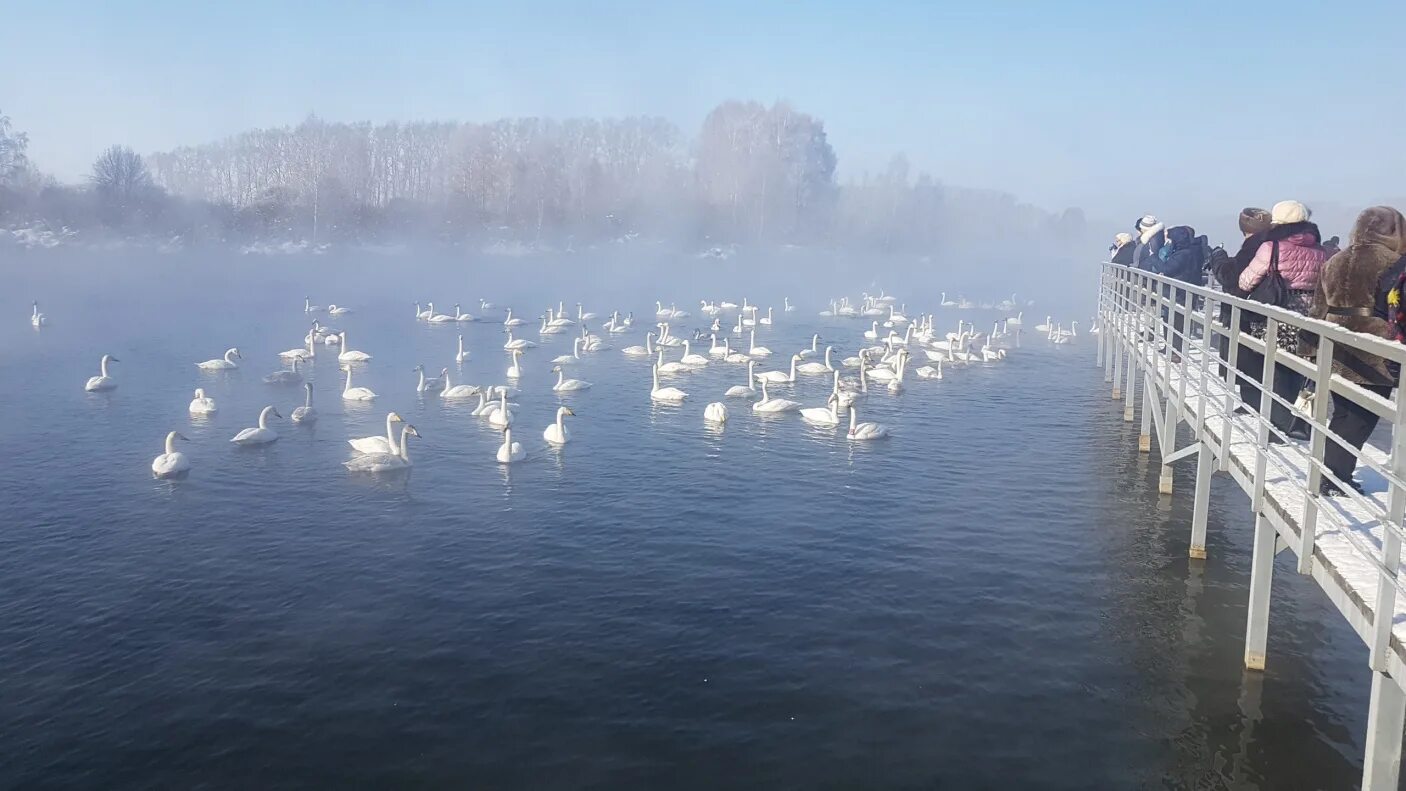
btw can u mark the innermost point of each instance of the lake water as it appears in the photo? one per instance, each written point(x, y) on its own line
point(994, 597)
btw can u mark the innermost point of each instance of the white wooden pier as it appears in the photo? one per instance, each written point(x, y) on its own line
point(1351, 546)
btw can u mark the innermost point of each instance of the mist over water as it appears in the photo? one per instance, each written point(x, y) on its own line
point(994, 597)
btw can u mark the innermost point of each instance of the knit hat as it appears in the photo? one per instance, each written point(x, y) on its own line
point(1146, 221)
point(1253, 220)
point(1381, 225)
point(1288, 211)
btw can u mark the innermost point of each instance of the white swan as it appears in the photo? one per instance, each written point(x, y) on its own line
point(1016, 320)
point(773, 405)
point(732, 356)
point(582, 314)
point(305, 414)
point(1047, 326)
point(755, 350)
point(443, 318)
point(307, 352)
point(518, 343)
point(515, 366)
point(462, 355)
point(570, 359)
point(556, 433)
point(715, 412)
point(422, 314)
point(510, 451)
point(102, 381)
point(777, 377)
point(864, 431)
point(828, 415)
point(559, 319)
point(689, 358)
point(460, 315)
point(430, 384)
point(501, 417)
point(714, 350)
point(766, 321)
point(308, 307)
point(671, 395)
point(512, 322)
point(37, 319)
point(947, 303)
point(202, 404)
point(378, 444)
point(386, 462)
point(337, 310)
point(172, 463)
point(647, 350)
point(350, 355)
point(929, 372)
point(485, 305)
point(452, 391)
point(286, 377)
point(814, 367)
point(548, 329)
point(872, 334)
point(350, 393)
point(814, 349)
point(484, 405)
point(223, 364)
point(564, 384)
point(261, 435)
point(670, 367)
point(786, 304)
point(745, 390)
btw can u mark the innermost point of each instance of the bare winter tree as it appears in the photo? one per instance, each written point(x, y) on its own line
point(13, 161)
point(120, 176)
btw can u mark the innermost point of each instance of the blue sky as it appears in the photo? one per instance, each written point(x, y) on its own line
point(1115, 106)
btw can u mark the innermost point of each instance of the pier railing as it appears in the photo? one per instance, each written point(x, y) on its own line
point(1165, 339)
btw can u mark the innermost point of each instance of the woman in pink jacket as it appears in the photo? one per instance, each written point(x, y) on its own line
point(1296, 244)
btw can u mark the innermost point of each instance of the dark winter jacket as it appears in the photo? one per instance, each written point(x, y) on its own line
point(1352, 285)
point(1151, 240)
point(1124, 254)
point(1229, 278)
point(1185, 258)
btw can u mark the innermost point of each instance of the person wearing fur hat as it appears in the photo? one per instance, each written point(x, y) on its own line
point(1352, 292)
point(1150, 237)
point(1293, 246)
point(1122, 250)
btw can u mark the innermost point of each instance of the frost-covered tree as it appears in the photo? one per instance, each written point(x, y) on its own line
point(13, 145)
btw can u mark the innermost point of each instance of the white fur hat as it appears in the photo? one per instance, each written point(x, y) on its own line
point(1122, 238)
point(1147, 221)
point(1288, 211)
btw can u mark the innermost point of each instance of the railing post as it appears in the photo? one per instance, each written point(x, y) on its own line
point(1134, 355)
point(1098, 313)
point(1386, 716)
point(1261, 577)
point(1384, 613)
point(1271, 345)
point(1205, 465)
point(1322, 397)
point(1232, 384)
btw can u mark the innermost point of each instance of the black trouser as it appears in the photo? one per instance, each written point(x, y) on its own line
point(1287, 384)
point(1354, 423)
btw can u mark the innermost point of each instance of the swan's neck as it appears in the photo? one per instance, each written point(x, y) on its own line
point(348, 385)
point(229, 356)
point(655, 373)
point(765, 397)
point(853, 417)
point(307, 399)
point(561, 376)
point(404, 444)
point(171, 443)
point(561, 420)
point(827, 357)
point(422, 378)
point(103, 366)
point(264, 417)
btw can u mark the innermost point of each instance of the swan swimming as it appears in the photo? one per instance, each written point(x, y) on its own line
point(814, 349)
point(515, 367)
point(777, 377)
point(647, 350)
point(692, 359)
point(574, 357)
point(202, 404)
point(378, 444)
point(428, 385)
point(462, 355)
point(308, 307)
point(510, 451)
point(814, 367)
point(172, 463)
point(350, 355)
point(671, 395)
point(556, 433)
point(350, 393)
point(563, 384)
point(261, 435)
point(37, 319)
point(828, 415)
point(512, 322)
point(773, 405)
point(864, 431)
point(758, 351)
point(502, 417)
point(223, 364)
point(745, 390)
point(305, 414)
point(670, 367)
point(715, 412)
point(306, 352)
point(102, 381)
point(518, 343)
point(452, 391)
point(385, 462)
point(337, 310)
point(286, 377)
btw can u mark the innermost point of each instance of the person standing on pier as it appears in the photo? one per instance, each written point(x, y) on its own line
point(1292, 250)
point(1181, 258)
point(1122, 250)
point(1150, 237)
point(1254, 225)
point(1353, 293)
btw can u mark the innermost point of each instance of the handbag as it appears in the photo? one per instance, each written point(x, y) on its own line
point(1273, 289)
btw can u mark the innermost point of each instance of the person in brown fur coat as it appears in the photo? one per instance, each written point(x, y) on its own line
point(1350, 293)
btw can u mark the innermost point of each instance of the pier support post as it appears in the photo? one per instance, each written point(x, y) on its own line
point(1130, 353)
point(1261, 575)
point(1205, 465)
point(1386, 716)
point(1149, 390)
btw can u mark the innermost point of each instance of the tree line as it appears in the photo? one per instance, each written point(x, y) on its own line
point(753, 173)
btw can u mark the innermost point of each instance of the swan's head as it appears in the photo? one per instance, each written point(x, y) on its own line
point(410, 431)
point(395, 417)
point(273, 412)
point(236, 353)
point(556, 369)
point(419, 369)
point(308, 387)
point(566, 410)
point(199, 392)
point(111, 359)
